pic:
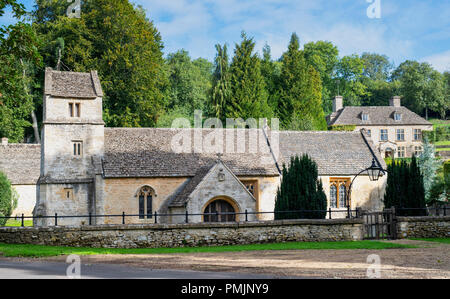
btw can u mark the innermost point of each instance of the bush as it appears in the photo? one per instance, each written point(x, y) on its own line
point(8, 198)
point(405, 189)
point(301, 189)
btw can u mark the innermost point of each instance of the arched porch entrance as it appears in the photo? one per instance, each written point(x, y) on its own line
point(223, 210)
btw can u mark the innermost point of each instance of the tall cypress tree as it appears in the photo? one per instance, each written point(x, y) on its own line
point(300, 94)
point(301, 190)
point(248, 92)
point(221, 89)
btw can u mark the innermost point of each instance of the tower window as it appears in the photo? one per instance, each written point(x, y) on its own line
point(74, 109)
point(77, 148)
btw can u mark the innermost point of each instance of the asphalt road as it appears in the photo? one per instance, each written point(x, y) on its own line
point(54, 270)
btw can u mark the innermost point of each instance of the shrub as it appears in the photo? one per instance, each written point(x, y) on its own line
point(8, 198)
point(301, 189)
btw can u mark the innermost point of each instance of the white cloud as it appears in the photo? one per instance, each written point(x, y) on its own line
point(440, 61)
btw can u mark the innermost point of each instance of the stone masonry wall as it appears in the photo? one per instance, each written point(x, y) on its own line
point(186, 235)
point(423, 227)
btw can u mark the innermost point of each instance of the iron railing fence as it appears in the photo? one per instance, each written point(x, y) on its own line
point(214, 217)
point(299, 214)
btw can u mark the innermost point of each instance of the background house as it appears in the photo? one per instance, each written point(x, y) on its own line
point(395, 130)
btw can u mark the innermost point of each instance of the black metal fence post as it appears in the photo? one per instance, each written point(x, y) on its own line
point(187, 217)
point(90, 218)
point(156, 217)
point(246, 215)
point(123, 217)
point(23, 224)
point(56, 219)
point(329, 211)
point(349, 212)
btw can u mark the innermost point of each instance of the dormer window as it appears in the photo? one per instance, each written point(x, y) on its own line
point(365, 116)
point(397, 117)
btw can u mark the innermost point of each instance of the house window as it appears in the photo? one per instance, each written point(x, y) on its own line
point(400, 134)
point(365, 116)
point(417, 151)
point(146, 202)
point(74, 109)
point(333, 196)
point(417, 134)
point(77, 147)
point(68, 193)
point(369, 132)
point(338, 192)
point(383, 134)
point(397, 117)
point(225, 212)
point(401, 152)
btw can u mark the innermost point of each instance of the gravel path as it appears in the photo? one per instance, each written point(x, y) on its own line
point(431, 260)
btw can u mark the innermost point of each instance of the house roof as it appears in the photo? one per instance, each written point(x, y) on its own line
point(21, 163)
point(72, 84)
point(133, 152)
point(147, 152)
point(378, 115)
point(336, 153)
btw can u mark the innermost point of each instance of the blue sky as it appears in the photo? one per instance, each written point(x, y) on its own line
point(413, 29)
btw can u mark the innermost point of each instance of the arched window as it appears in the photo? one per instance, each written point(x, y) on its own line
point(333, 196)
point(220, 206)
point(145, 202)
point(342, 196)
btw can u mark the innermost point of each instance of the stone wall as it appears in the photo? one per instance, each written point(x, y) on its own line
point(423, 227)
point(186, 235)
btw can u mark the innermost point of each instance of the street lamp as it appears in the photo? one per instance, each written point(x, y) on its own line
point(374, 172)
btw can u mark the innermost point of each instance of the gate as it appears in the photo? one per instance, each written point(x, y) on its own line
point(380, 225)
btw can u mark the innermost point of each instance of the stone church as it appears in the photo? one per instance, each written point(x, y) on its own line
point(87, 168)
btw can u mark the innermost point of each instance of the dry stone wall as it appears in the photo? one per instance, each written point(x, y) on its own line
point(186, 235)
point(423, 227)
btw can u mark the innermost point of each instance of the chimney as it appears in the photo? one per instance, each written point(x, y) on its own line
point(4, 141)
point(338, 103)
point(395, 101)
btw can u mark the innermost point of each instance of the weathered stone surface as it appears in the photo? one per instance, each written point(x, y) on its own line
point(186, 235)
point(423, 227)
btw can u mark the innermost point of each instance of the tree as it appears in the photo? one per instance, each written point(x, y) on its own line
point(189, 82)
point(221, 89)
point(271, 72)
point(248, 91)
point(422, 87)
point(8, 198)
point(324, 57)
point(405, 188)
point(300, 189)
point(19, 58)
point(349, 72)
point(300, 91)
point(428, 166)
point(376, 67)
point(115, 38)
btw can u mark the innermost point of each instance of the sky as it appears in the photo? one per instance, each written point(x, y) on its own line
point(401, 29)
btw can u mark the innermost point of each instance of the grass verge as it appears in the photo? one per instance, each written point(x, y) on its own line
point(21, 250)
point(439, 240)
point(13, 222)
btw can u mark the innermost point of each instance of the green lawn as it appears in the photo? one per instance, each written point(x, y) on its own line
point(20, 250)
point(12, 222)
point(439, 240)
point(446, 142)
point(439, 123)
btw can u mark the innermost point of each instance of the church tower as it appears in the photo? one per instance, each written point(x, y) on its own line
point(72, 139)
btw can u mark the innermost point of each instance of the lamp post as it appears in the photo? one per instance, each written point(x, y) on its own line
point(374, 173)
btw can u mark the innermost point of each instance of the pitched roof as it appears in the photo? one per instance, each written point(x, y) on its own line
point(336, 153)
point(181, 197)
point(72, 84)
point(378, 115)
point(147, 152)
point(21, 163)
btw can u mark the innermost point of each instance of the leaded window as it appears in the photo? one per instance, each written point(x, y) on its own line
point(333, 196)
point(146, 202)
